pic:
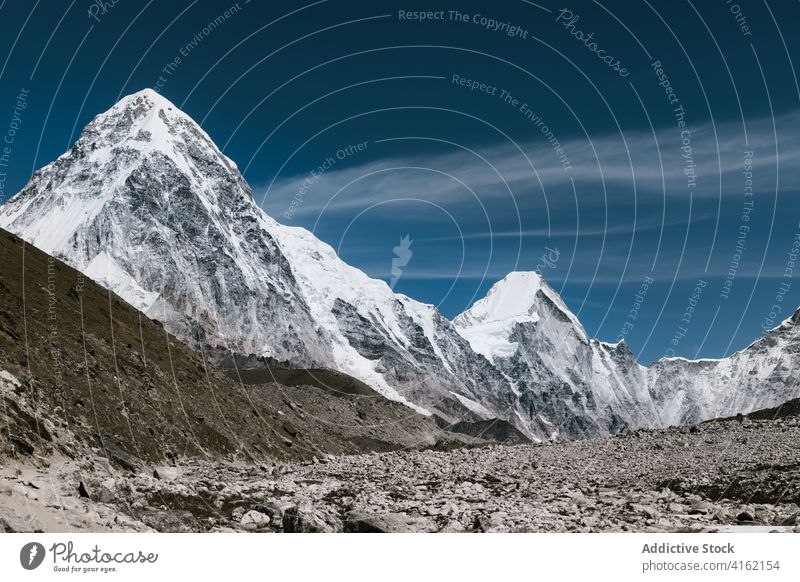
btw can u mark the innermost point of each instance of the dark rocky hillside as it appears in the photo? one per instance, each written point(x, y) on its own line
point(787, 409)
point(84, 372)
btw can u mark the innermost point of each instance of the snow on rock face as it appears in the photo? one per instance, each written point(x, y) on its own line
point(488, 324)
point(147, 205)
point(568, 385)
point(762, 375)
point(511, 298)
point(584, 387)
point(104, 270)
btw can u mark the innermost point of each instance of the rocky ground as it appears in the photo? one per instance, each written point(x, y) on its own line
point(716, 476)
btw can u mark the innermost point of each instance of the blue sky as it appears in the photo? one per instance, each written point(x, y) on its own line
point(446, 130)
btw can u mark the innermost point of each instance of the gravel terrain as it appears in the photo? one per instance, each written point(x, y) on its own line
point(716, 476)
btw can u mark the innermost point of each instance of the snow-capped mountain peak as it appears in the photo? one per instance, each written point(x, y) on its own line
point(512, 297)
point(149, 121)
point(519, 297)
point(515, 297)
point(147, 205)
point(115, 151)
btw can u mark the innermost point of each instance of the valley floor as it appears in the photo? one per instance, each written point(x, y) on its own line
point(714, 477)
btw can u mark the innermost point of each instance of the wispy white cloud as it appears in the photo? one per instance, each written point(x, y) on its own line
point(615, 228)
point(604, 172)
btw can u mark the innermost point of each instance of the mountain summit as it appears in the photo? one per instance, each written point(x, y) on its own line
point(514, 299)
point(148, 206)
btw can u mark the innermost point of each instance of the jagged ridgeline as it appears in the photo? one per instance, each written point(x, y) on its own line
point(148, 206)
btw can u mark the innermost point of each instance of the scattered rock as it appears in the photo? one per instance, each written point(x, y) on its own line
point(105, 491)
point(648, 510)
point(238, 513)
point(21, 445)
point(172, 521)
point(275, 509)
point(166, 473)
point(625, 483)
point(701, 506)
point(305, 519)
point(745, 516)
point(363, 522)
point(453, 526)
point(255, 520)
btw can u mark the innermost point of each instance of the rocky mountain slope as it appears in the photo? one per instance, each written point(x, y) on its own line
point(584, 386)
point(763, 375)
point(85, 375)
point(570, 384)
point(146, 204)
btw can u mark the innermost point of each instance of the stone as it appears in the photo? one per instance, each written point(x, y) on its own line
point(166, 473)
point(489, 523)
point(791, 520)
point(238, 513)
point(648, 510)
point(105, 491)
point(366, 522)
point(275, 509)
point(453, 526)
point(305, 518)
point(745, 516)
point(255, 520)
point(722, 515)
point(21, 445)
point(701, 507)
point(171, 521)
point(581, 500)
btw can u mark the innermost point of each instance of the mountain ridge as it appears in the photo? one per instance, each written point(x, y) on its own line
point(146, 204)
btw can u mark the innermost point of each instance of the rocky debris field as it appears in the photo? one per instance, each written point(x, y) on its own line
point(712, 477)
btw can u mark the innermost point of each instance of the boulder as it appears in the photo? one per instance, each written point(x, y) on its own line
point(254, 520)
point(367, 522)
point(305, 518)
point(166, 473)
point(701, 506)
